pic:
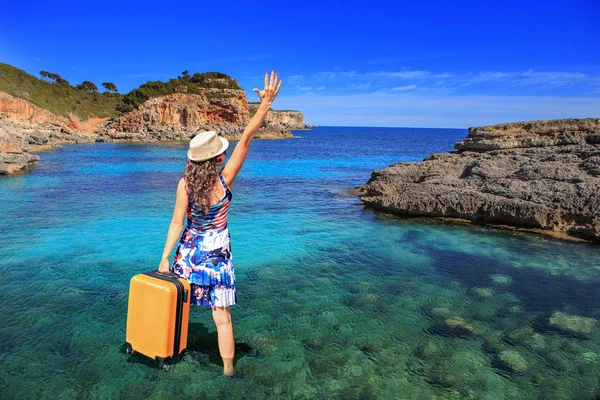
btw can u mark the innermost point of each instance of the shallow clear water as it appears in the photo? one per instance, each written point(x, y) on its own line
point(335, 301)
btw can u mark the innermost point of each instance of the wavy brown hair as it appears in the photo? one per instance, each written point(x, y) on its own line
point(200, 178)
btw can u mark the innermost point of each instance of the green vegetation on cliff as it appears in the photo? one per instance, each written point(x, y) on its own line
point(57, 95)
point(185, 83)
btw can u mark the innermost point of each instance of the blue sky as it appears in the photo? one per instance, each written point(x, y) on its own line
point(351, 63)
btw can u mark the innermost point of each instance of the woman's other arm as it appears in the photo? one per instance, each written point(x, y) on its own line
point(267, 95)
point(181, 204)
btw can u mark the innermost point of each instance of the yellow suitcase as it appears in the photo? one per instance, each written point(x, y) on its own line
point(158, 316)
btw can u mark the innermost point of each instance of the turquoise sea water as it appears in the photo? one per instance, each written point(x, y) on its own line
point(335, 301)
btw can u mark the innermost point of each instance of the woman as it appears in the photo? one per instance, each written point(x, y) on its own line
point(203, 255)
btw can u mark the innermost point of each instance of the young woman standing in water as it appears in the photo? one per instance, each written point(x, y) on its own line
point(203, 255)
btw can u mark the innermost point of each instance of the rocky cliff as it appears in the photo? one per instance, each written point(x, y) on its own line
point(172, 117)
point(223, 110)
point(25, 128)
point(541, 175)
point(179, 115)
point(21, 110)
point(13, 155)
point(30, 116)
point(558, 132)
point(281, 121)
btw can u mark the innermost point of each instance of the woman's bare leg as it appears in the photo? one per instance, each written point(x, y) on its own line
point(222, 319)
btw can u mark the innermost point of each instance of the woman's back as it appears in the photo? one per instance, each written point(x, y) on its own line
point(202, 218)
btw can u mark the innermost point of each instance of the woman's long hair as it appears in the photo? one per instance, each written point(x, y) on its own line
point(200, 178)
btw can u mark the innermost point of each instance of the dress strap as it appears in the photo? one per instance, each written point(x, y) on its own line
point(224, 183)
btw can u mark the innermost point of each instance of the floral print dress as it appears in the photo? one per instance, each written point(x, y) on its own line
point(203, 255)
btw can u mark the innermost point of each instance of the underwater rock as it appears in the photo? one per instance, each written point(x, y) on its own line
point(527, 337)
point(371, 297)
point(459, 370)
point(440, 312)
point(483, 292)
point(501, 279)
point(457, 326)
point(573, 324)
point(515, 309)
point(493, 344)
point(446, 376)
point(484, 310)
point(429, 351)
point(512, 360)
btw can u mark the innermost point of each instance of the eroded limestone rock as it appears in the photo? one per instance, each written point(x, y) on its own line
point(545, 178)
point(13, 157)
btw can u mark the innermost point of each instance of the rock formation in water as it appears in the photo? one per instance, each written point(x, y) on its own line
point(541, 175)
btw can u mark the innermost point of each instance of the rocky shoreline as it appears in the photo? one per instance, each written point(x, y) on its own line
point(26, 128)
point(542, 176)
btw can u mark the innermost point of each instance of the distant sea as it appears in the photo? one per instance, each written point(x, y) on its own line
point(335, 300)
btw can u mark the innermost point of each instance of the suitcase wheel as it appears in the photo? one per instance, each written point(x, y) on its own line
point(164, 366)
point(163, 363)
point(129, 349)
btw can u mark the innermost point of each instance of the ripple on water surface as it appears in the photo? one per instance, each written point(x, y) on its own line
point(334, 300)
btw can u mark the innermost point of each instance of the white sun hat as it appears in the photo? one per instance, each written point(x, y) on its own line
point(207, 145)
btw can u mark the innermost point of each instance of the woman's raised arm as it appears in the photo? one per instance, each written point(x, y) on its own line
point(267, 95)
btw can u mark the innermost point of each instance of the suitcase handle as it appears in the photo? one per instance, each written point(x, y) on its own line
point(170, 274)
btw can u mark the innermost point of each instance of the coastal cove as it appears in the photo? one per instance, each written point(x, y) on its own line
point(335, 299)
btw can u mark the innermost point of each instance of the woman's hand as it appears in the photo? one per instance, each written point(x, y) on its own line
point(272, 86)
point(164, 266)
point(233, 166)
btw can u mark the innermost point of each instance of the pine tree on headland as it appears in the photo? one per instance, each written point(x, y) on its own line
point(54, 79)
point(110, 87)
point(45, 75)
point(198, 78)
point(88, 86)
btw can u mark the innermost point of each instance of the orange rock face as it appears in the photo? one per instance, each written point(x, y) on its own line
point(172, 117)
point(29, 115)
point(19, 109)
point(26, 127)
point(181, 112)
point(93, 124)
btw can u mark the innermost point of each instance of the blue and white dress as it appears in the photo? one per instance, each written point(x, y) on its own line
point(203, 255)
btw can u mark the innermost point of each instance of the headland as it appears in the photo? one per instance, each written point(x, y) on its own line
point(542, 176)
point(41, 114)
